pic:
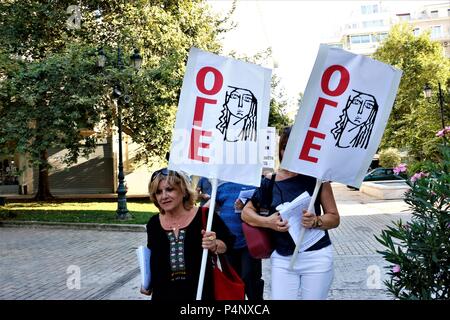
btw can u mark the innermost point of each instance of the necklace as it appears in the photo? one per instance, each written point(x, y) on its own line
point(174, 223)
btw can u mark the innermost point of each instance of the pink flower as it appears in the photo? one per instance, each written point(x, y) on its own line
point(443, 132)
point(400, 168)
point(418, 176)
point(396, 269)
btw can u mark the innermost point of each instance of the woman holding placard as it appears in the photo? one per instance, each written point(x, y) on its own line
point(176, 238)
point(312, 273)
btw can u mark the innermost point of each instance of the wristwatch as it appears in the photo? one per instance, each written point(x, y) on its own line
point(319, 222)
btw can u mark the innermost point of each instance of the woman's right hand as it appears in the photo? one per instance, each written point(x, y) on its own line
point(146, 292)
point(276, 223)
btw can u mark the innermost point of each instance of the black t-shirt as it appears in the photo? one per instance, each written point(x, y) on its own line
point(286, 191)
point(163, 282)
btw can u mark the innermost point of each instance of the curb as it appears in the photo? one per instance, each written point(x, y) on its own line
point(71, 225)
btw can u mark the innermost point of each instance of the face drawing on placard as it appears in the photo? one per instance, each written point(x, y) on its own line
point(237, 121)
point(355, 124)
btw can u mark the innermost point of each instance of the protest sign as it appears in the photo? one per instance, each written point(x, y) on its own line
point(342, 116)
point(222, 113)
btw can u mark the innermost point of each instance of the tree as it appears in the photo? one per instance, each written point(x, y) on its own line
point(419, 250)
point(390, 157)
point(413, 120)
point(51, 88)
point(278, 105)
point(46, 103)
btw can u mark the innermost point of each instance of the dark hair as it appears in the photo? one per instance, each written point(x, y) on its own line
point(284, 137)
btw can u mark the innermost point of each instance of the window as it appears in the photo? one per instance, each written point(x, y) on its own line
point(404, 16)
point(378, 37)
point(369, 9)
point(355, 39)
point(434, 14)
point(372, 23)
point(436, 32)
point(416, 31)
point(365, 38)
point(8, 172)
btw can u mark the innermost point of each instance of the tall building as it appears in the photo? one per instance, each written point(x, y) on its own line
point(370, 23)
point(434, 18)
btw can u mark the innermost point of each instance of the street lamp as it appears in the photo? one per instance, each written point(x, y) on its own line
point(122, 211)
point(440, 99)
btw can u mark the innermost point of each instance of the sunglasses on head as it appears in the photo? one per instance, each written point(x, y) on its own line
point(164, 172)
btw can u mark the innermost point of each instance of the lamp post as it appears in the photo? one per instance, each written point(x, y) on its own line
point(439, 99)
point(122, 211)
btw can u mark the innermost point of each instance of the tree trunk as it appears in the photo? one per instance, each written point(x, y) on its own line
point(43, 192)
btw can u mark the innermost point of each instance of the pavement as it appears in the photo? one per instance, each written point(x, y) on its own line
point(48, 262)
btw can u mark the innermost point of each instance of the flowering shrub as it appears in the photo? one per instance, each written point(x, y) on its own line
point(419, 250)
point(443, 132)
point(401, 168)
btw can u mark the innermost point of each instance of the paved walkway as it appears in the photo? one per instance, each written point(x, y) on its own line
point(43, 263)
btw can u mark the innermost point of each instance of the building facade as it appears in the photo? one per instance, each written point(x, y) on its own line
point(369, 25)
point(96, 174)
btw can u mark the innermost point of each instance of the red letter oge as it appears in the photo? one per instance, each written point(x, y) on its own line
point(343, 81)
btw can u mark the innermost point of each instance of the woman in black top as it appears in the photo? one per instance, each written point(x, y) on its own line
point(312, 274)
point(176, 238)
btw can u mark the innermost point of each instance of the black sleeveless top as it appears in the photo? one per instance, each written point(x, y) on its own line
point(286, 191)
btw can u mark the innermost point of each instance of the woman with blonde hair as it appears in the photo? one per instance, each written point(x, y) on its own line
point(176, 238)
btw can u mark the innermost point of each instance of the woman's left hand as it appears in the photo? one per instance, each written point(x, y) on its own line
point(209, 240)
point(308, 219)
point(238, 205)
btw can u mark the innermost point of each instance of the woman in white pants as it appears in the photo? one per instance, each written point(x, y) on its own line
point(312, 274)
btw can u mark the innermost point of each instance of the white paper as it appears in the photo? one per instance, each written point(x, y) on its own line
point(244, 195)
point(293, 212)
point(143, 256)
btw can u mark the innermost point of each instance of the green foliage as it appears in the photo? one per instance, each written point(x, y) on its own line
point(390, 157)
point(420, 249)
point(45, 103)
point(76, 212)
point(278, 106)
point(50, 86)
point(414, 120)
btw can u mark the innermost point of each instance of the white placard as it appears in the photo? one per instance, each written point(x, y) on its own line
point(222, 113)
point(342, 116)
point(269, 148)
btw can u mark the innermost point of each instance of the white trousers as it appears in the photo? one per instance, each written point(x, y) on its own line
point(310, 279)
